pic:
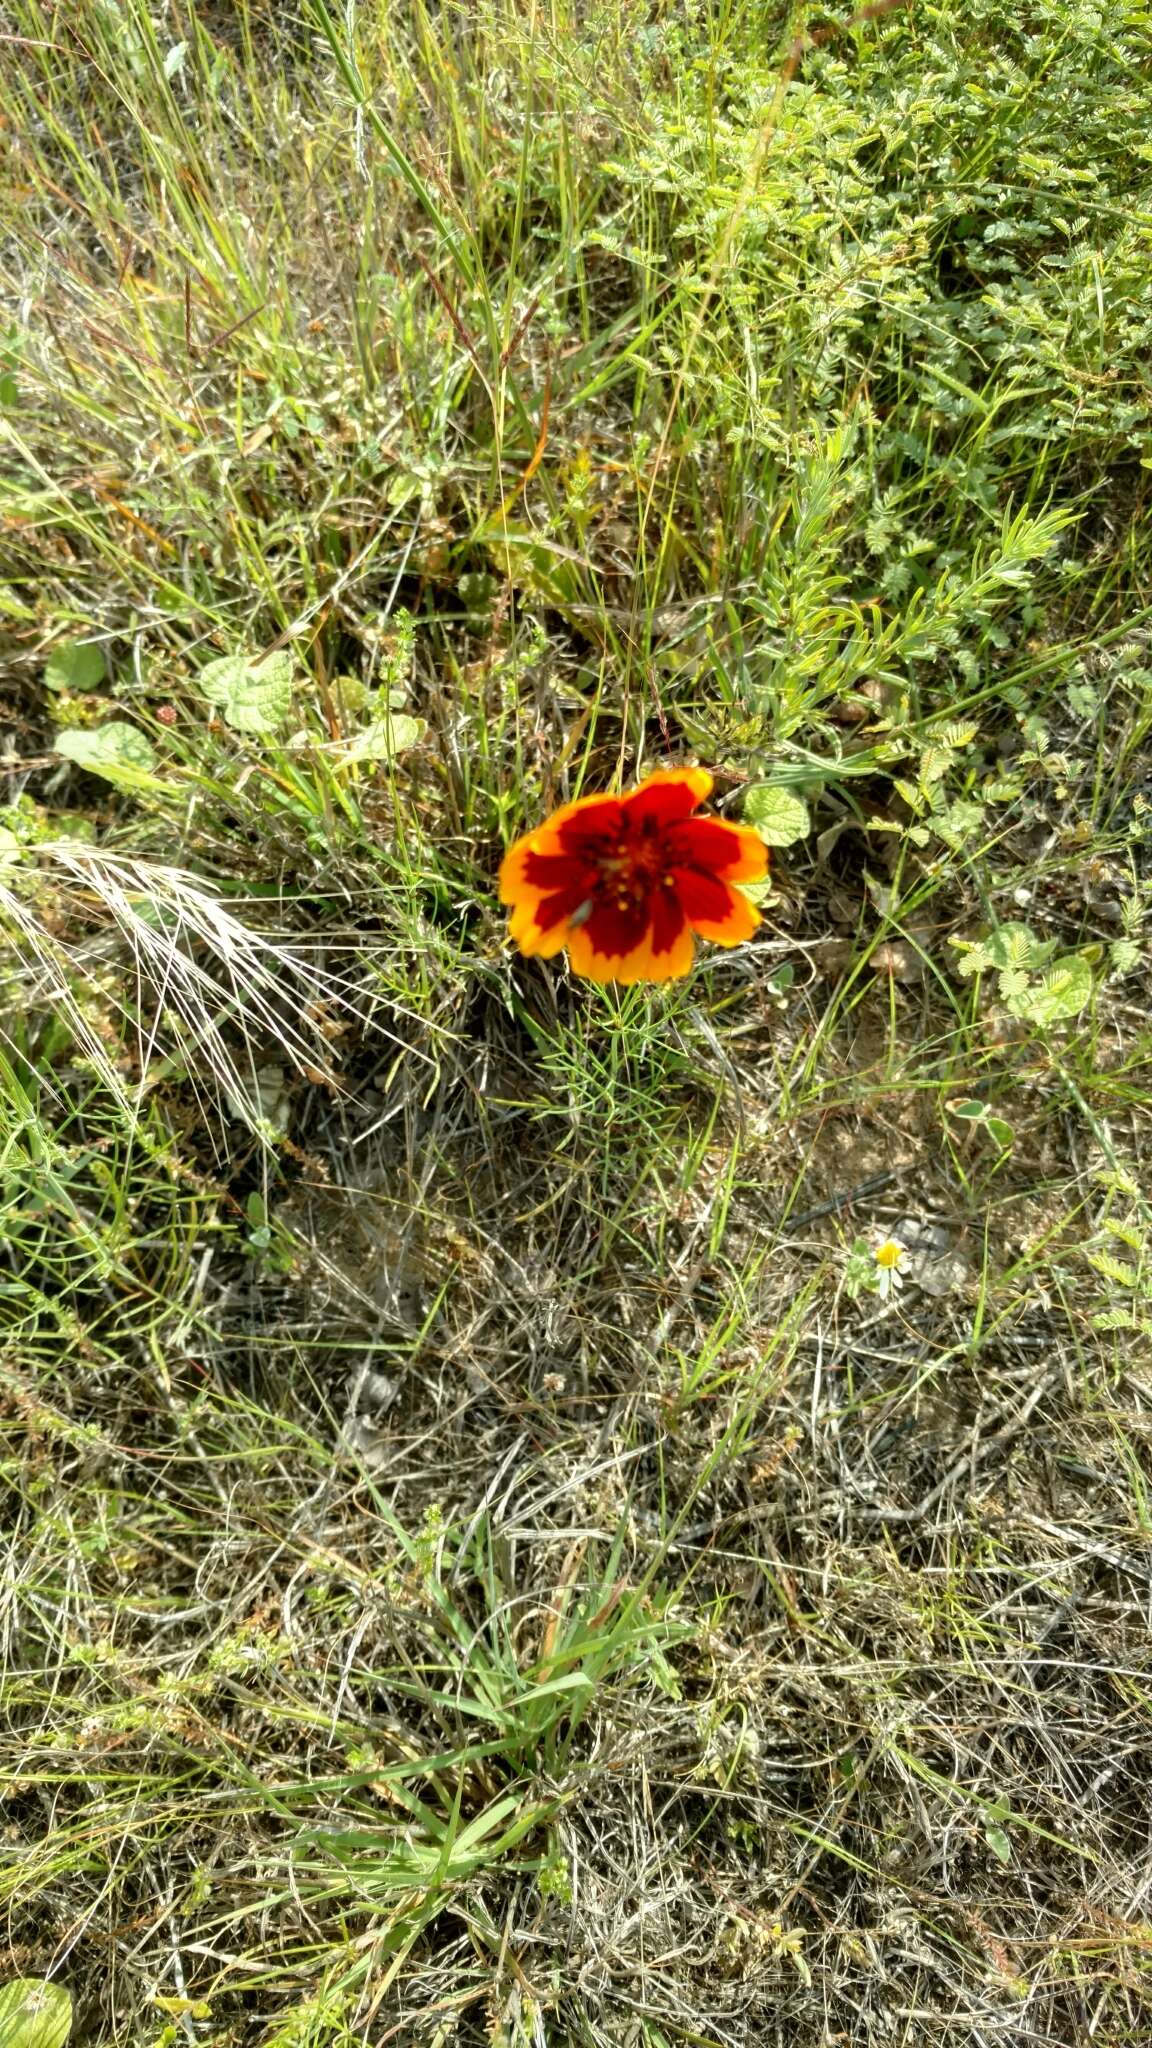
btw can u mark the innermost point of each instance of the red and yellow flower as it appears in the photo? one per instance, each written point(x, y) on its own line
point(625, 882)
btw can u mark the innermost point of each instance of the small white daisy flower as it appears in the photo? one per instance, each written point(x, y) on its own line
point(889, 1258)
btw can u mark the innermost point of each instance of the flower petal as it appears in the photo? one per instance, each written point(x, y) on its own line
point(548, 871)
point(734, 851)
point(669, 795)
point(523, 922)
point(666, 916)
point(529, 879)
point(714, 909)
point(535, 941)
point(641, 964)
point(513, 881)
point(701, 896)
point(550, 911)
point(645, 942)
point(678, 960)
point(646, 964)
point(616, 929)
point(581, 827)
point(547, 839)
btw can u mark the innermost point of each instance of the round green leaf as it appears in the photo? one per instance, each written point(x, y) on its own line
point(76, 665)
point(119, 752)
point(252, 695)
point(972, 1111)
point(34, 2014)
point(385, 737)
point(780, 817)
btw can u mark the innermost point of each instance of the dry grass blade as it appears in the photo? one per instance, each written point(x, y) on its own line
point(205, 987)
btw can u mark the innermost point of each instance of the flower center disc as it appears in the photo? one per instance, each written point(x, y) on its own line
point(632, 872)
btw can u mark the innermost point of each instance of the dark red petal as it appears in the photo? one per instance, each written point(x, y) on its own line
point(664, 802)
point(614, 931)
point(701, 895)
point(667, 919)
point(552, 870)
point(701, 843)
point(596, 822)
point(553, 909)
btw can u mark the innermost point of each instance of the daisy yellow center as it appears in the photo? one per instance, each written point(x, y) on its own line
point(889, 1254)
